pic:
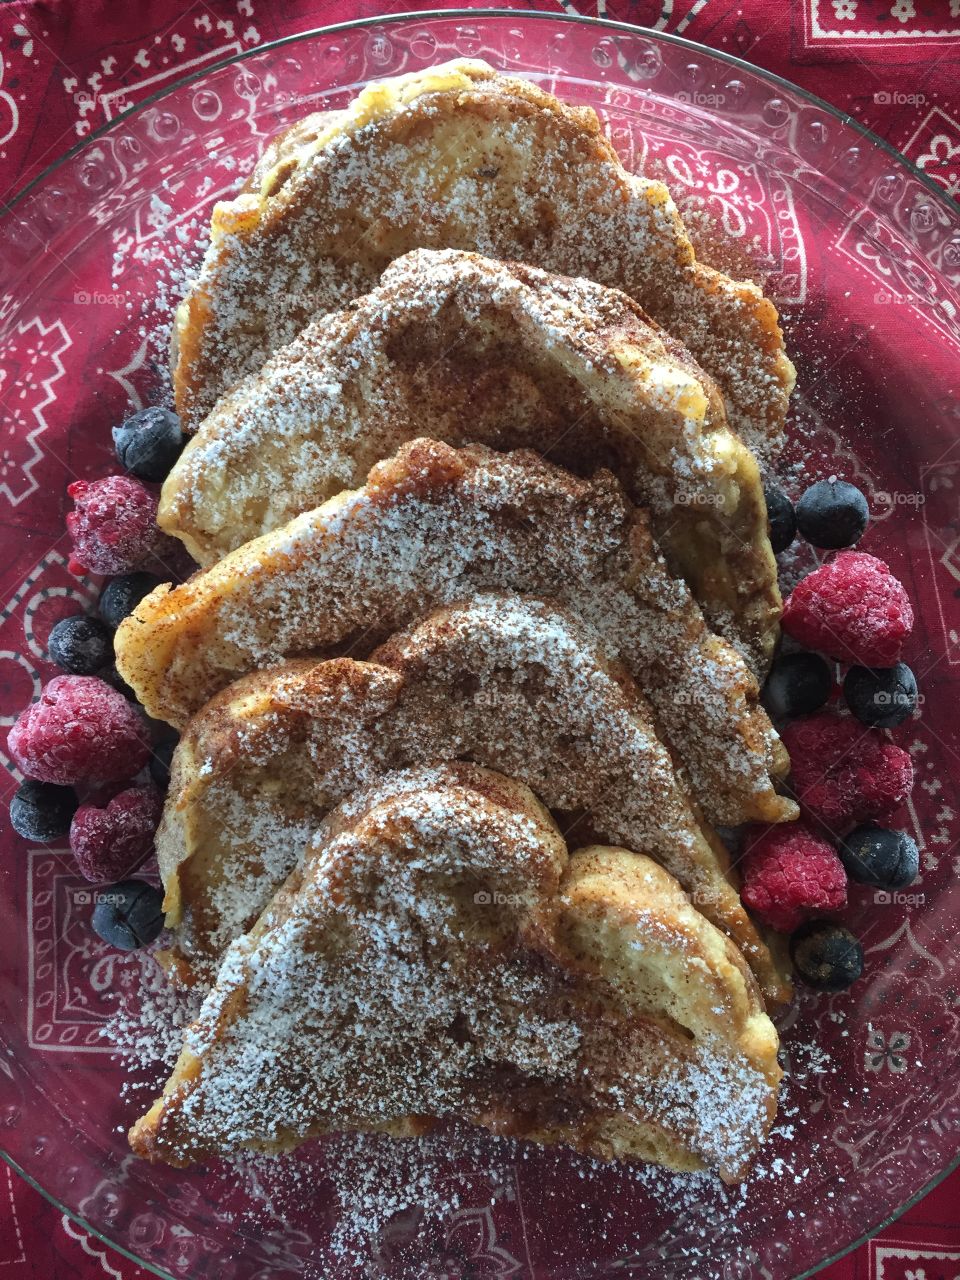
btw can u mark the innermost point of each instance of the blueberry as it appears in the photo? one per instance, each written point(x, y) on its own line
point(826, 956)
point(160, 762)
point(832, 513)
point(128, 915)
point(881, 696)
point(122, 595)
point(41, 812)
point(782, 517)
point(80, 645)
point(798, 683)
point(874, 855)
point(149, 443)
point(112, 677)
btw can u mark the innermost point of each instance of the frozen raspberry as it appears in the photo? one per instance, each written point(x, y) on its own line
point(851, 608)
point(111, 842)
point(81, 730)
point(843, 773)
point(789, 873)
point(114, 526)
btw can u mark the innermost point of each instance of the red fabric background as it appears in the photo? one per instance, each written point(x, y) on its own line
point(66, 67)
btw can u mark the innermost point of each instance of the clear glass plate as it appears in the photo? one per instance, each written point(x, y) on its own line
point(864, 257)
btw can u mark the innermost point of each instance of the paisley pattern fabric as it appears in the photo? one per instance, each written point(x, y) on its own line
point(69, 66)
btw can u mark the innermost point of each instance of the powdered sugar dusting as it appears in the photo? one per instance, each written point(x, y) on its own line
point(495, 166)
point(510, 682)
point(398, 1205)
point(417, 968)
point(441, 524)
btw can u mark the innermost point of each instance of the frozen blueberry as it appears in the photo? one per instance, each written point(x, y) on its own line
point(826, 956)
point(80, 645)
point(149, 443)
point(832, 513)
point(160, 762)
point(782, 517)
point(875, 855)
point(112, 677)
point(41, 812)
point(121, 596)
point(881, 696)
point(798, 684)
point(128, 915)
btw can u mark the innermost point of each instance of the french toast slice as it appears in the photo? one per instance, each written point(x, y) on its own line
point(470, 350)
point(512, 683)
point(432, 525)
point(462, 157)
point(437, 957)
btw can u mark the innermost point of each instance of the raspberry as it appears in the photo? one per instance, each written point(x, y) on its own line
point(851, 608)
point(789, 873)
point(843, 773)
point(114, 526)
point(81, 730)
point(111, 842)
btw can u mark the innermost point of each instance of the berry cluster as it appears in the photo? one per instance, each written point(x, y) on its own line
point(846, 775)
point(85, 747)
point(86, 734)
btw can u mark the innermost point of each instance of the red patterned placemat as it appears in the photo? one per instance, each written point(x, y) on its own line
point(67, 68)
point(39, 1243)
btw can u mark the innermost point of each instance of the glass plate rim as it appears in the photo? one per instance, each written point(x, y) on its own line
point(938, 1178)
point(666, 37)
point(10, 206)
point(80, 1221)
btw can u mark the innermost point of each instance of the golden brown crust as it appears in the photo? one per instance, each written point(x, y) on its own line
point(577, 1000)
point(435, 524)
point(466, 349)
point(427, 950)
point(462, 157)
point(511, 683)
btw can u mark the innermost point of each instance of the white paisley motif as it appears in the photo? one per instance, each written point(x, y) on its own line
point(820, 29)
point(673, 16)
point(941, 152)
point(475, 1230)
point(9, 108)
point(897, 1252)
point(739, 200)
point(886, 1052)
point(905, 931)
point(33, 363)
point(86, 1244)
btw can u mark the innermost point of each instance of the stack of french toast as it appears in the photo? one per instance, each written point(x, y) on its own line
point(468, 677)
